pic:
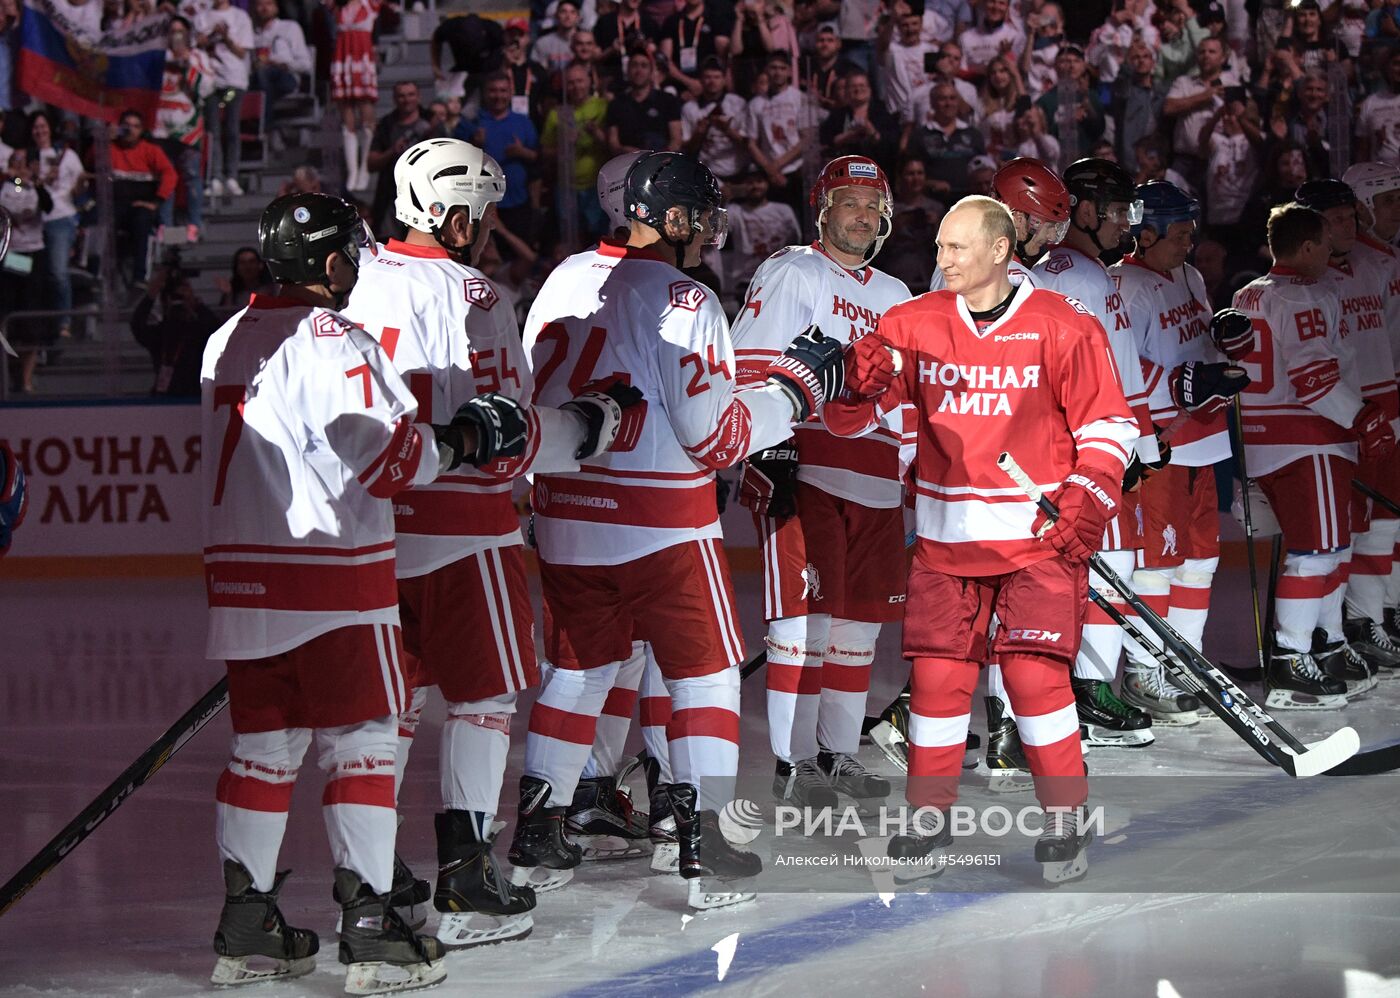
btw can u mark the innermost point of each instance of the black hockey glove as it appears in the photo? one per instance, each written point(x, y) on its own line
point(1139, 471)
point(1195, 385)
point(722, 488)
point(768, 483)
point(612, 417)
point(811, 370)
point(500, 427)
point(1233, 333)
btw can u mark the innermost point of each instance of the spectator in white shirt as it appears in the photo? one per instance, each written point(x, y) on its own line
point(1378, 120)
point(715, 125)
point(280, 55)
point(776, 144)
point(992, 36)
point(552, 50)
point(758, 228)
point(903, 71)
point(1192, 100)
point(1233, 140)
point(1047, 28)
point(226, 34)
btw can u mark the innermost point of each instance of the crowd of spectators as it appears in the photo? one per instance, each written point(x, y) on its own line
point(1234, 103)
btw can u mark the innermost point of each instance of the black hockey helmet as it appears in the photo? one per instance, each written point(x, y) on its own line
point(660, 181)
point(1103, 182)
point(298, 231)
point(1319, 195)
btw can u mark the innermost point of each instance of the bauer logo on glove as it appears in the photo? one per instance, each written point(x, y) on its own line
point(1199, 387)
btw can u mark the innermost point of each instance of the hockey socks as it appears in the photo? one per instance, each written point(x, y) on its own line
point(704, 735)
point(845, 678)
point(796, 656)
point(475, 743)
point(563, 723)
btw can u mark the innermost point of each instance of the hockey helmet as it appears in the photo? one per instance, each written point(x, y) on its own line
point(1367, 180)
point(298, 231)
point(611, 180)
point(1032, 188)
point(1319, 195)
point(855, 171)
point(436, 175)
point(1163, 204)
point(660, 181)
point(1103, 182)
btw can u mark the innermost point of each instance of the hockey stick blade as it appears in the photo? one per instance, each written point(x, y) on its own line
point(1323, 756)
point(1370, 763)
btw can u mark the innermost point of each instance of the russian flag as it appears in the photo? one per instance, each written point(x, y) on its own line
point(96, 77)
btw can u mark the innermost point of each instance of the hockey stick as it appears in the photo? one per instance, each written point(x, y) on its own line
point(1246, 718)
point(1379, 498)
point(117, 791)
point(1249, 540)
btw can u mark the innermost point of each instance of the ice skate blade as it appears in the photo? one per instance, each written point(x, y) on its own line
point(232, 971)
point(1174, 718)
point(891, 744)
point(541, 878)
point(1281, 699)
point(1092, 734)
point(415, 916)
point(708, 893)
point(1326, 753)
point(378, 978)
point(462, 930)
point(1009, 781)
point(666, 857)
point(1065, 872)
point(1359, 688)
point(607, 847)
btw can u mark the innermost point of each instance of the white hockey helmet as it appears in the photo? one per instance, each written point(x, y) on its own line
point(436, 175)
point(611, 182)
point(1369, 179)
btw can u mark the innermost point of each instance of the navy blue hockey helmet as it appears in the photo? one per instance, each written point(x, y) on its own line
point(1164, 203)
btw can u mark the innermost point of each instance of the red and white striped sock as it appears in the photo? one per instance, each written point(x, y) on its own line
point(1049, 727)
point(358, 800)
point(796, 652)
point(254, 794)
point(845, 684)
point(475, 743)
point(610, 738)
point(704, 734)
point(408, 730)
point(1371, 555)
point(1101, 645)
point(1154, 587)
point(656, 715)
point(1305, 582)
point(940, 710)
point(563, 723)
point(1190, 598)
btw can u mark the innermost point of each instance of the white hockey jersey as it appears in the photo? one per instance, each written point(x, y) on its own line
point(1362, 282)
point(452, 337)
point(1386, 261)
point(1085, 279)
point(800, 286)
point(618, 310)
point(1170, 319)
point(307, 433)
point(1301, 400)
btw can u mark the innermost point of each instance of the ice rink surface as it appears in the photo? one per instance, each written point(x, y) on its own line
point(93, 671)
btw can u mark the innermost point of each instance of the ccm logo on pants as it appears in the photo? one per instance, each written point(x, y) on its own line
point(1031, 634)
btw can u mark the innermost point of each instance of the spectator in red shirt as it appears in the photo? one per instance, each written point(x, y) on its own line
point(142, 178)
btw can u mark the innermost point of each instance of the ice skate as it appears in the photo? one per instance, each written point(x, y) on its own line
point(477, 903)
point(661, 820)
point(918, 852)
point(1340, 661)
point(1150, 689)
point(1006, 761)
point(251, 925)
point(1373, 642)
point(1294, 682)
point(802, 784)
point(1061, 847)
point(1106, 720)
point(889, 733)
point(1392, 624)
point(382, 954)
point(847, 776)
point(542, 855)
point(409, 895)
point(602, 821)
point(707, 860)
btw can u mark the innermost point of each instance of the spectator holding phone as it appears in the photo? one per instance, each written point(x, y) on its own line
point(715, 125)
point(173, 325)
point(22, 287)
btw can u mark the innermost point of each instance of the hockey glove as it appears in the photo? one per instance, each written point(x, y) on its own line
point(499, 422)
point(1200, 387)
point(14, 496)
point(768, 484)
point(721, 493)
point(871, 365)
point(811, 370)
point(1087, 500)
point(1139, 471)
point(1233, 333)
point(1373, 432)
point(612, 414)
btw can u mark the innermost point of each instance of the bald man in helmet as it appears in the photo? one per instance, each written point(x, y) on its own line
point(829, 512)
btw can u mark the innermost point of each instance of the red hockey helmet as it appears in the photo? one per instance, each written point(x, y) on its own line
point(855, 171)
point(1032, 188)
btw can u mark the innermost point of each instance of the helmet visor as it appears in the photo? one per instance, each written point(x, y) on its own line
point(712, 222)
point(1054, 232)
point(359, 242)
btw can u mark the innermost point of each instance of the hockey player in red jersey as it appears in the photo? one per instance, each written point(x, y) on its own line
point(1189, 384)
point(1039, 205)
point(1104, 205)
point(629, 545)
point(991, 367)
point(1304, 421)
point(463, 595)
point(1377, 189)
point(310, 432)
point(829, 511)
point(1363, 277)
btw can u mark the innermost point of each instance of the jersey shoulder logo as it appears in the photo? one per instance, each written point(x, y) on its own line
point(481, 294)
point(1078, 306)
point(1058, 264)
point(326, 324)
point(687, 295)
